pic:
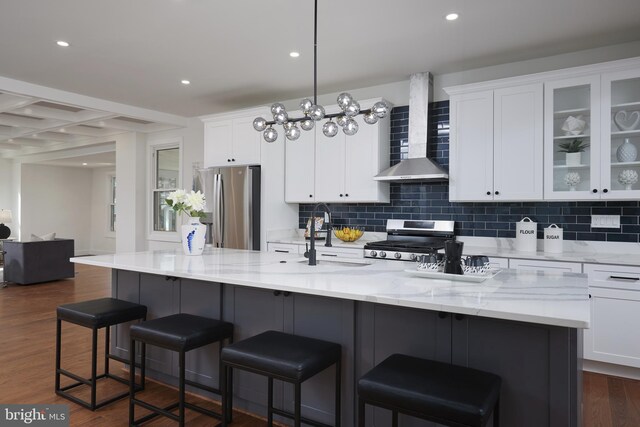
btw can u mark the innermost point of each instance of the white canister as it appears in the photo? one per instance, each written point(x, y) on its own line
point(553, 239)
point(526, 235)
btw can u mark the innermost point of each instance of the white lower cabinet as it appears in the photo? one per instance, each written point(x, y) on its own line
point(285, 248)
point(336, 252)
point(615, 312)
point(549, 266)
point(499, 262)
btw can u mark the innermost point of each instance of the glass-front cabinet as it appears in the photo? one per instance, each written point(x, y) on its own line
point(621, 134)
point(572, 139)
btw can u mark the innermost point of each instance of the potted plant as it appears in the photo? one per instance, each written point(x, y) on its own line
point(574, 151)
point(193, 233)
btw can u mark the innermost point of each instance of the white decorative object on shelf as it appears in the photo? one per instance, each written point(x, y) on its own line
point(572, 179)
point(627, 152)
point(626, 121)
point(574, 159)
point(628, 177)
point(574, 125)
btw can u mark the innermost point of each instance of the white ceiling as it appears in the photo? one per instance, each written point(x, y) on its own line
point(236, 52)
point(100, 160)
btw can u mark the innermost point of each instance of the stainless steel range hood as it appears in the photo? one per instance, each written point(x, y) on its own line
point(417, 167)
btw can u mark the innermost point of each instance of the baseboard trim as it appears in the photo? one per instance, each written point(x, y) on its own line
point(611, 369)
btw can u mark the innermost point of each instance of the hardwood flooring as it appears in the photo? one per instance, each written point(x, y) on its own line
point(27, 351)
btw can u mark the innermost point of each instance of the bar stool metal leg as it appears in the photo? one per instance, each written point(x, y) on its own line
point(270, 402)
point(394, 419)
point(132, 376)
point(224, 391)
point(106, 350)
point(338, 397)
point(496, 414)
point(94, 367)
point(182, 389)
point(58, 351)
point(297, 402)
point(361, 413)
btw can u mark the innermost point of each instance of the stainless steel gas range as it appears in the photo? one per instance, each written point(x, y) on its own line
point(407, 239)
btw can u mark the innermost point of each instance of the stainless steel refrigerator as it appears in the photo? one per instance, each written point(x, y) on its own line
point(232, 196)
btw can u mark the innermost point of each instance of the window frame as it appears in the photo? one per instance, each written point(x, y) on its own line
point(112, 183)
point(152, 149)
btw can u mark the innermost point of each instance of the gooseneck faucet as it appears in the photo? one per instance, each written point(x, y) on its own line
point(311, 252)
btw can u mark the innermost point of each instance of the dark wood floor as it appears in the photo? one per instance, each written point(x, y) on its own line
point(27, 345)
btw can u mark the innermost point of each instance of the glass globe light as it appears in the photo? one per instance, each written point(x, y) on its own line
point(259, 124)
point(277, 108)
point(370, 118)
point(316, 112)
point(307, 124)
point(350, 128)
point(341, 120)
point(305, 106)
point(380, 109)
point(270, 134)
point(344, 99)
point(281, 117)
point(352, 109)
point(288, 125)
point(292, 133)
point(330, 129)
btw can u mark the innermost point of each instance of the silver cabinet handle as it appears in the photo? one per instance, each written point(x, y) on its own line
point(281, 251)
point(328, 254)
point(633, 279)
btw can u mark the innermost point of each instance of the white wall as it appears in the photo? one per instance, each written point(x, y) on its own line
point(7, 190)
point(57, 199)
point(103, 241)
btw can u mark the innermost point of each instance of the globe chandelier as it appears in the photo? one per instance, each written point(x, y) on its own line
point(312, 112)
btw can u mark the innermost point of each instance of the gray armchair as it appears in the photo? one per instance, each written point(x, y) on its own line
point(35, 262)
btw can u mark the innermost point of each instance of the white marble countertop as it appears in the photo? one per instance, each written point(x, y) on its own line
point(559, 299)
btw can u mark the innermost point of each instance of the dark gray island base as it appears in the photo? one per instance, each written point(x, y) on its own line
point(539, 364)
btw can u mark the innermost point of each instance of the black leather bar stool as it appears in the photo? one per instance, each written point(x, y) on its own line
point(285, 357)
point(95, 314)
point(446, 394)
point(180, 333)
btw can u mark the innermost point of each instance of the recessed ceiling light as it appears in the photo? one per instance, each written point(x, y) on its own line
point(452, 16)
point(62, 43)
point(185, 82)
point(63, 130)
point(294, 54)
point(84, 164)
point(10, 139)
point(28, 111)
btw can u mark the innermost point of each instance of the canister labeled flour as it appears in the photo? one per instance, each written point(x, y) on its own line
point(526, 235)
point(553, 239)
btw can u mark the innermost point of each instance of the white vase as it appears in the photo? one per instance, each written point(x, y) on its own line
point(627, 152)
point(193, 236)
point(574, 159)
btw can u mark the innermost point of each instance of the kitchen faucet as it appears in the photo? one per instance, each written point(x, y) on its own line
point(311, 252)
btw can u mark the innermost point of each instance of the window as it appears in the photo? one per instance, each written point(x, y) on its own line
point(166, 167)
point(112, 203)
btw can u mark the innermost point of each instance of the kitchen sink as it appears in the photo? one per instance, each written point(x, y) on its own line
point(347, 262)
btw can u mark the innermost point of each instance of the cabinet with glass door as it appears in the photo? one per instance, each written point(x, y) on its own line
point(572, 139)
point(621, 134)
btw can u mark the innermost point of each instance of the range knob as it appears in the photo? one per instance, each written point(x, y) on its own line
point(383, 254)
point(397, 255)
point(413, 257)
point(373, 254)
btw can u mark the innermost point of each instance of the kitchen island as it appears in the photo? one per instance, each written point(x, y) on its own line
point(524, 326)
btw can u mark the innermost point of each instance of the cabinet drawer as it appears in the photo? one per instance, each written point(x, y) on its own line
point(286, 248)
point(531, 264)
point(332, 252)
point(613, 276)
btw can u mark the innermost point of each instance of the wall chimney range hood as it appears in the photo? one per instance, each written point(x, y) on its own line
point(417, 167)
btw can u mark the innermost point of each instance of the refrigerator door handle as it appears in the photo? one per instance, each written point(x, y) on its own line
point(218, 211)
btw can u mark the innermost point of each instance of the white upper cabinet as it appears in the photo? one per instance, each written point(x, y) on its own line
point(572, 117)
point(231, 140)
point(496, 145)
point(338, 169)
point(621, 134)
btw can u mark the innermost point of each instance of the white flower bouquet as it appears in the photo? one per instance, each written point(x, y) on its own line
point(193, 203)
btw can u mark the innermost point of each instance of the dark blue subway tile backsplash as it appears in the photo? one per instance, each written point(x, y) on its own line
point(431, 200)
